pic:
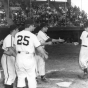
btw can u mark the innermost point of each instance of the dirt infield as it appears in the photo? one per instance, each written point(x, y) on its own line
point(62, 68)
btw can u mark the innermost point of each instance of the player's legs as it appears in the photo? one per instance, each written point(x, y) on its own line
point(24, 65)
point(83, 57)
point(9, 70)
point(31, 80)
point(83, 61)
point(20, 74)
point(4, 66)
point(36, 70)
point(37, 66)
point(31, 77)
point(21, 81)
point(41, 68)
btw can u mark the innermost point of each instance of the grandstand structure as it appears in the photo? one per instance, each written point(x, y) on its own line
point(52, 3)
point(52, 12)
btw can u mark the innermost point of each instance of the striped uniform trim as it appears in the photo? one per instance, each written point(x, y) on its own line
point(7, 68)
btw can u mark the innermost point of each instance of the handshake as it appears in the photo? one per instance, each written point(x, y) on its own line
point(58, 41)
point(55, 41)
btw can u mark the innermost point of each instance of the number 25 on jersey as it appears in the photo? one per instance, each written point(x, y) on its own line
point(23, 40)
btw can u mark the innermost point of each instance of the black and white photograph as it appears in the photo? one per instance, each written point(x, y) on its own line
point(43, 44)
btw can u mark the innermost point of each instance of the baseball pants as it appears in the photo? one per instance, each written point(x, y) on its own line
point(25, 67)
point(8, 65)
point(83, 57)
point(40, 65)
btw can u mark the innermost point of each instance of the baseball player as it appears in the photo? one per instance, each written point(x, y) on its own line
point(8, 62)
point(44, 40)
point(26, 43)
point(83, 56)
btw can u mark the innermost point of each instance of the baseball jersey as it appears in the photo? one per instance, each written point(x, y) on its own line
point(84, 38)
point(42, 37)
point(8, 42)
point(26, 41)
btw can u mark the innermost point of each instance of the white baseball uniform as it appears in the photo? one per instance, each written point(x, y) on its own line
point(83, 57)
point(8, 62)
point(42, 37)
point(25, 43)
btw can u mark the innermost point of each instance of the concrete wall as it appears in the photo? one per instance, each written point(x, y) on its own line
point(70, 34)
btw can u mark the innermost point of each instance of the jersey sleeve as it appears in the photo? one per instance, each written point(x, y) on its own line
point(45, 36)
point(42, 36)
point(36, 41)
point(7, 42)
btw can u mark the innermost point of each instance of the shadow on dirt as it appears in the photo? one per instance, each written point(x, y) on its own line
point(62, 74)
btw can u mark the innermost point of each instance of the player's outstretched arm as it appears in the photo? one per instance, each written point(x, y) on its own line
point(51, 41)
point(58, 40)
point(46, 43)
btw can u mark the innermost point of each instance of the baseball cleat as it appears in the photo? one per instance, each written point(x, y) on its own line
point(44, 80)
point(38, 82)
point(84, 76)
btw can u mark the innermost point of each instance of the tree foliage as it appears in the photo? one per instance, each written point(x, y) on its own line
point(6, 9)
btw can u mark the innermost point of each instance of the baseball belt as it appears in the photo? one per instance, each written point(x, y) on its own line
point(23, 51)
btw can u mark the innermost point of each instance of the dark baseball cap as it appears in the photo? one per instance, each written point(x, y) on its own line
point(29, 21)
point(43, 25)
point(13, 26)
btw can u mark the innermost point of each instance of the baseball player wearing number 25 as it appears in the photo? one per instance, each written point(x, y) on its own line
point(26, 43)
point(83, 56)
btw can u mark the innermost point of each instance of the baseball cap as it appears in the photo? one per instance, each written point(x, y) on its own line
point(43, 25)
point(29, 22)
point(12, 27)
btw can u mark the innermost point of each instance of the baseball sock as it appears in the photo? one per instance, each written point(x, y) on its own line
point(85, 71)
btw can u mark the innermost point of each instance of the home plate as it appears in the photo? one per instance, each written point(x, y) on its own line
point(64, 84)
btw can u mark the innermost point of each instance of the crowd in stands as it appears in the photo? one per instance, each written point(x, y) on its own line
point(53, 16)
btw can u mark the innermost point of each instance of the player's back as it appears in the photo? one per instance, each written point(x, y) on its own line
point(24, 41)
